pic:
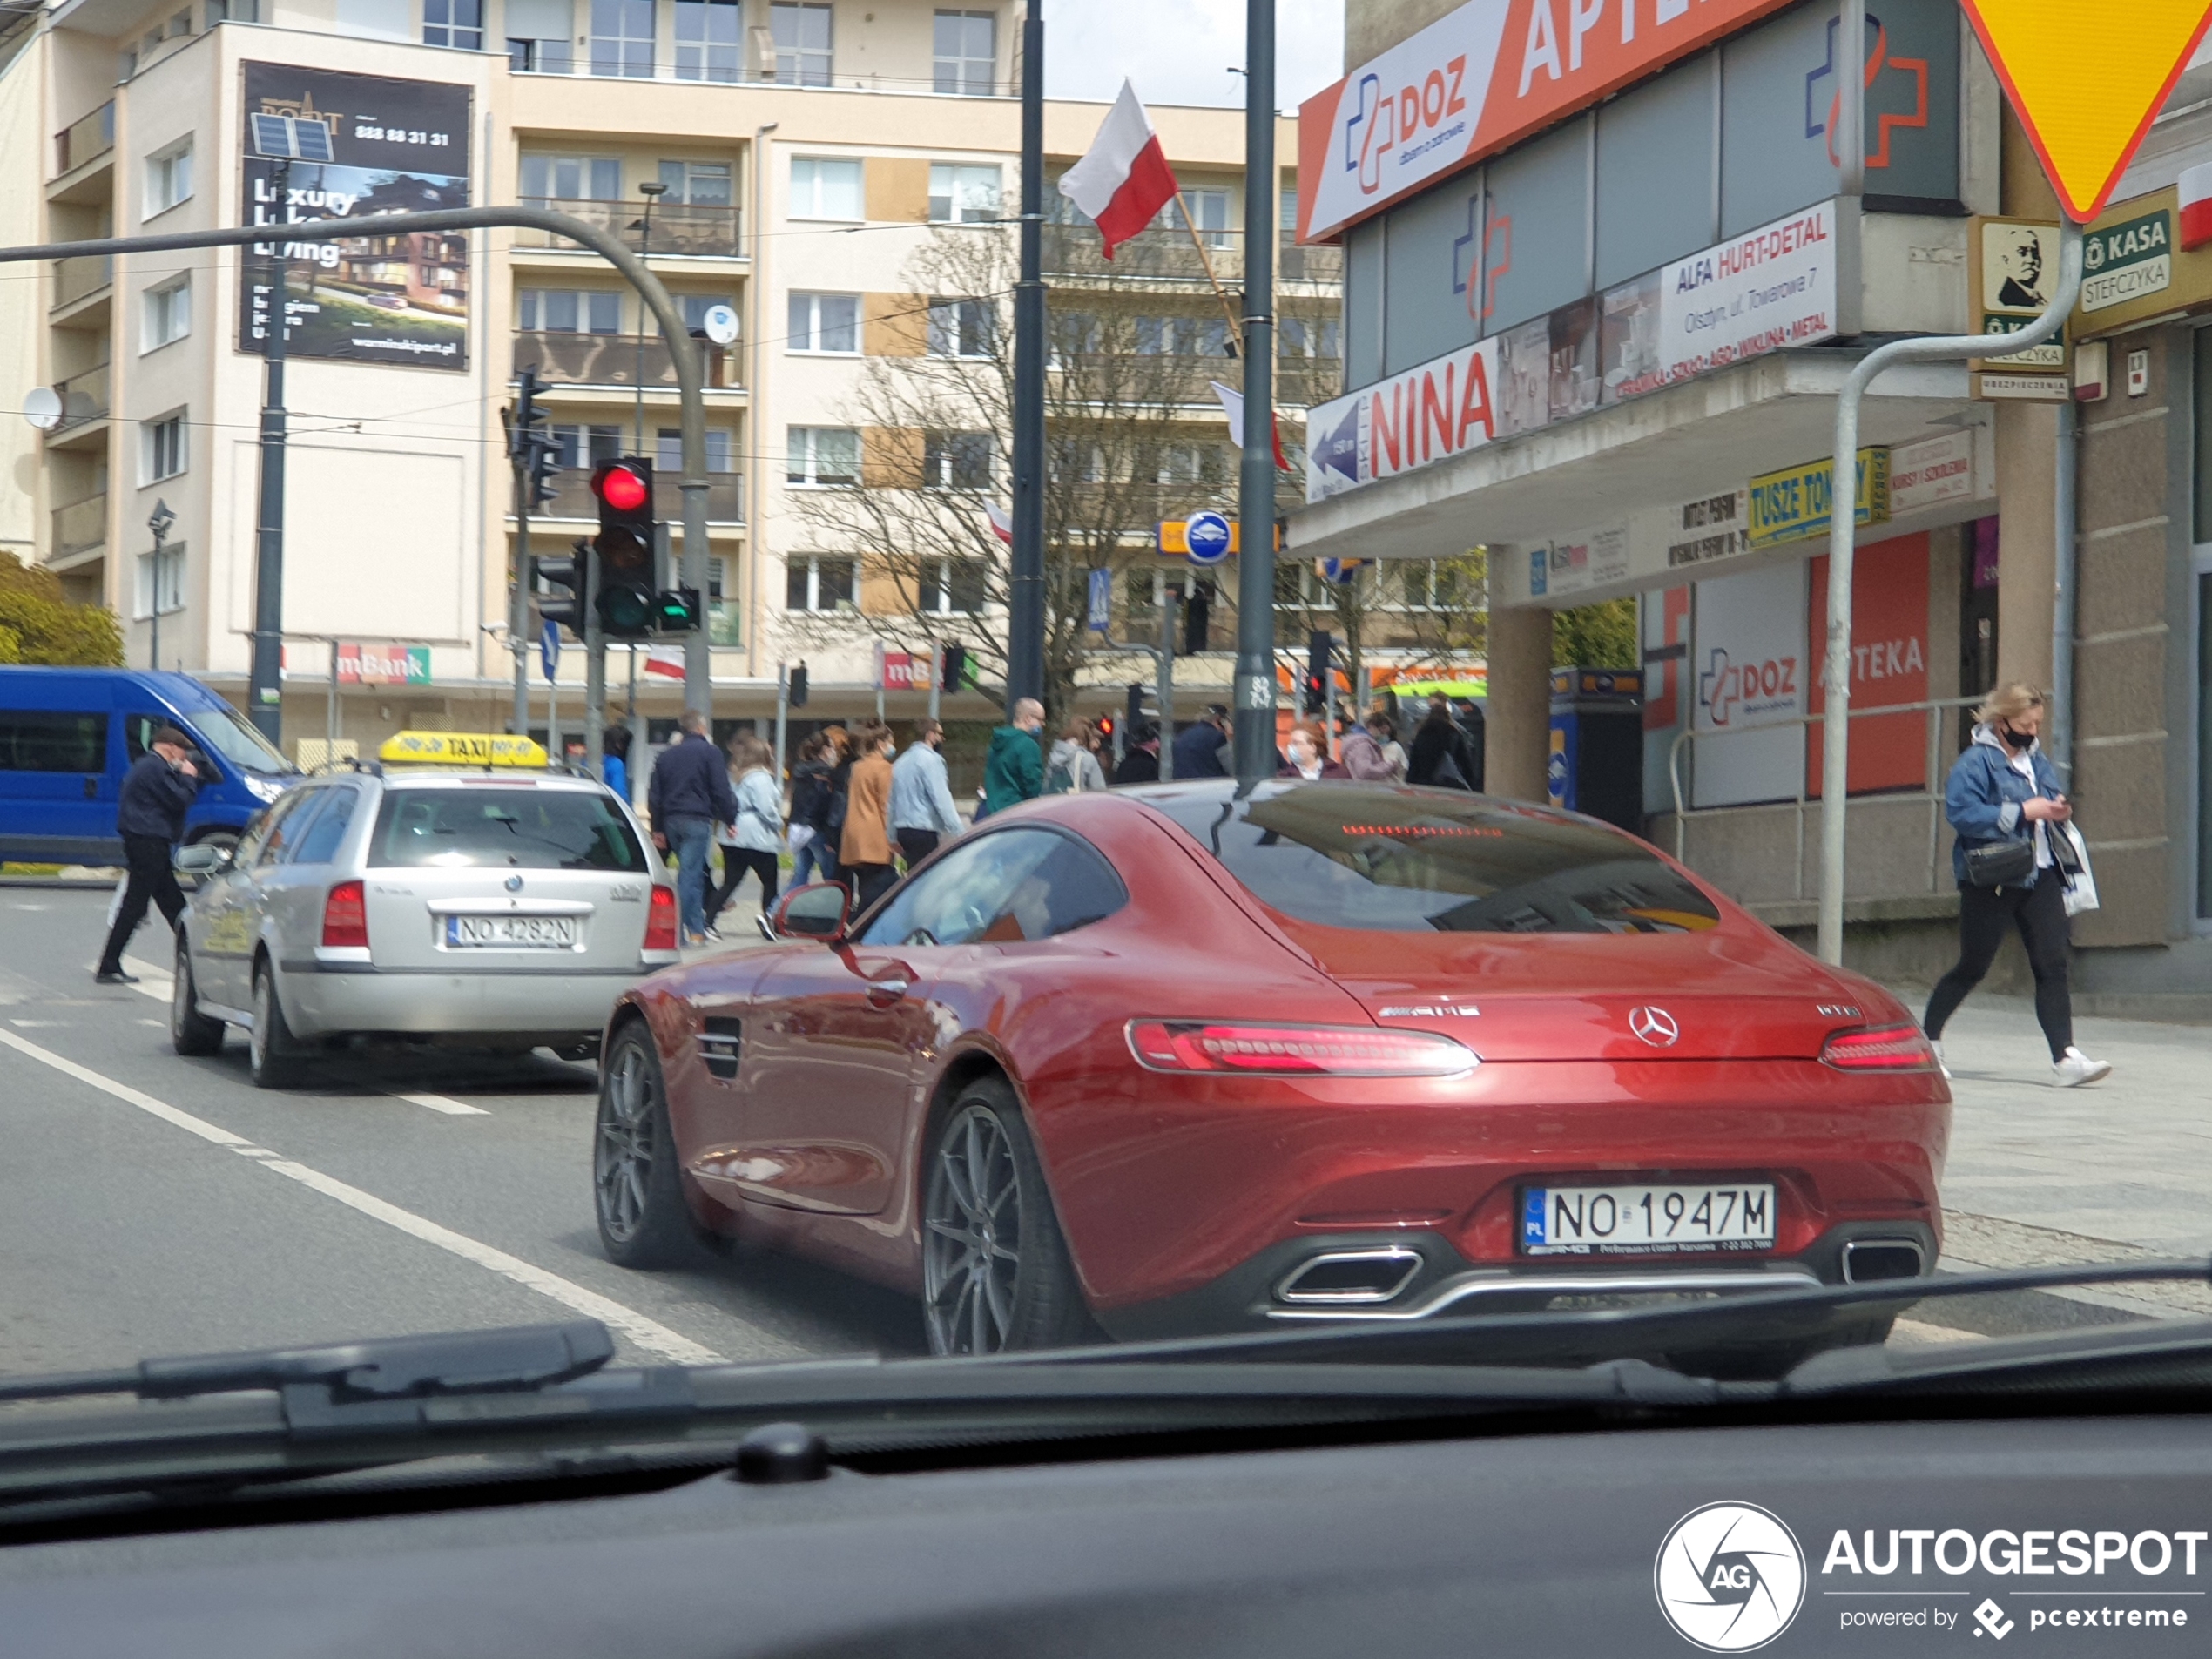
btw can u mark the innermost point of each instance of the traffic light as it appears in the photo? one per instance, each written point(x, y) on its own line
point(627, 596)
point(529, 445)
point(795, 691)
point(1133, 714)
point(953, 662)
point(1319, 647)
point(568, 575)
point(676, 610)
point(545, 462)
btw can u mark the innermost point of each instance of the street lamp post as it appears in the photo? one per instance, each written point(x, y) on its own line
point(1255, 679)
point(652, 191)
point(159, 521)
point(266, 703)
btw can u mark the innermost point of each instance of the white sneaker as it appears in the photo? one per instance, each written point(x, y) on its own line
point(2078, 1068)
point(1942, 1065)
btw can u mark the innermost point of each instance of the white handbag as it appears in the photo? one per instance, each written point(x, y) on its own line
point(2081, 887)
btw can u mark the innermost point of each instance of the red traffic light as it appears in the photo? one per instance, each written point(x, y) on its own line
point(621, 488)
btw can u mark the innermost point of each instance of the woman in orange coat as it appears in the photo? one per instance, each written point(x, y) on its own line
point(864, 851)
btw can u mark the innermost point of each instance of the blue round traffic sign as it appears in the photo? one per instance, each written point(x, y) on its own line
point(1207, 536)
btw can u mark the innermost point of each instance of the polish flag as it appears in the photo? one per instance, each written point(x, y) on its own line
point(1124, 181)
point(2197, 206)
point(1002, 522)
point(1232, 405)
point(667, 663)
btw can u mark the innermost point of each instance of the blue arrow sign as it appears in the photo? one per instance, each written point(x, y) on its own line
point(1101, 601)
point(549, 649)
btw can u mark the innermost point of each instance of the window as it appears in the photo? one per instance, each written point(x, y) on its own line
point(621, 37)
point(1074, 461)
point(823, 188)
point(958, 460)
point(951, 587)
point(168, 313)
point(164, 447)
point(1379, 861)
point(706, 40)
point(1074, 333)
point(1192, 463)
point(453, 22)
point(572, 311)
point(168, 178)
point(1290, 210)
point(548, 179)
point(526, 55)
point(823, 455)
point(1305, 337)
point(1208, 211)
point(802, 37)
point(180, 25)
point(966, 53)
point(284, 819)
point(1005, 887)
point(1181, 336)
point(696, 306)
point(53, 742)
point(818, 584)
point(522, 828)
point(668, 453)
point(696, 183)
point(960, 327)
point(960, 195)
point(825, 322)
point(318, 840)
point(231, 12)
point(580, 447)
point(163, 583)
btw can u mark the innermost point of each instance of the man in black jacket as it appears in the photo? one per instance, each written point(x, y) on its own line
point(150, 816)
point(1199, 747)
point(1440, 755)
point(689, 795)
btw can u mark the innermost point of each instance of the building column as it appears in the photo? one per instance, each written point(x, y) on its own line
point(1518, 720)
point(2028, 454)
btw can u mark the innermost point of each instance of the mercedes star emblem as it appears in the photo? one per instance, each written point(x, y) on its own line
point(1656, 1026)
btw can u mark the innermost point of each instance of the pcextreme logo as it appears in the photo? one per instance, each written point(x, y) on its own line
point(1729, 1577)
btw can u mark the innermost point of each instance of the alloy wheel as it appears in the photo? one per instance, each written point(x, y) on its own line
point(622, 1155)
point(972, 1235)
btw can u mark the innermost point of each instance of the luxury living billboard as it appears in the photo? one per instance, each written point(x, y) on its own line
point(396, 146)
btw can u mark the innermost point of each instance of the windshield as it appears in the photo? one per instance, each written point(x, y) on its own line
point(230, 735)
point(1398, 860)
point(524, 829)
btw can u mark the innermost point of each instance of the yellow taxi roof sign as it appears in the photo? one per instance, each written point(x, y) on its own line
point(461, 748)
point(2086, 78)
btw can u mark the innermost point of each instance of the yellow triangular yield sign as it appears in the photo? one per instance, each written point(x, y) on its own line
point(2087, 78)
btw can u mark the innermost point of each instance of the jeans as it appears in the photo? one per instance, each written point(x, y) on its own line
point(690, 838)
point(736, 863)
point(153, 880)
point(870, 882)
point(2040, 913)
point(917, 845)
point(814, 861)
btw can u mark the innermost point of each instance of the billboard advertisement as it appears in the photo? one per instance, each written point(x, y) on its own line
point(395, 146)
point(1484, 76)
point(1749, 677)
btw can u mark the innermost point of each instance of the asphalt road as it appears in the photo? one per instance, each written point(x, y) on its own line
point(151, 1204)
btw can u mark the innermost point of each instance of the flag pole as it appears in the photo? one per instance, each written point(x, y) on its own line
point(1227, 308)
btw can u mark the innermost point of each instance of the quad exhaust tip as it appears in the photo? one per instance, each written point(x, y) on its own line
point(1350, 1278)
point(1869, 1261)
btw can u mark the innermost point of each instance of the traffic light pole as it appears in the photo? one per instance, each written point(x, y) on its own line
point(518, 601)
point(264, 685)
point(690, 376)
point(1254, 744)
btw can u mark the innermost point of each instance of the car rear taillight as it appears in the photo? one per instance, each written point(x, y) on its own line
point(1295, 1050)
point(1889, 1048)
point(345, 916)
point(660, 920)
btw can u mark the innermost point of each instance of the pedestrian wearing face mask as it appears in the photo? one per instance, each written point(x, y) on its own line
point(2012, 859)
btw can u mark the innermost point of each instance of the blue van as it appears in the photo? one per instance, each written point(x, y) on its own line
point(67, 736)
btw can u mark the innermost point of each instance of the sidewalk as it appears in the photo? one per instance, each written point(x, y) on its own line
point(2119, 1170)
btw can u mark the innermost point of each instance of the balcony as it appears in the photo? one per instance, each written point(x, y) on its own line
point(572, 497)
point(615, 359)
point(84, 140)
point(81, 278)
point(1169, 255)
point(681, 230)
point(79, 527)
point(719, 65)
point(84, 399)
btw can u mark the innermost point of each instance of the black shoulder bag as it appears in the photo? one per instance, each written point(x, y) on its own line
point(2001, 864)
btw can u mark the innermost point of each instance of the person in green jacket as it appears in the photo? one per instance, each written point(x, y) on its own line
point(1013, 772)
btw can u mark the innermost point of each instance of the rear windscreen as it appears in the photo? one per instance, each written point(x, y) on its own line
point(510, 828)
point(1411, 861)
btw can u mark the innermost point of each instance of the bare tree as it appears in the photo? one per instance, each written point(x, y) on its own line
point(1432, 614)
point(1127, 408)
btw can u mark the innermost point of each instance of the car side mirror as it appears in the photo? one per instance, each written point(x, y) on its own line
point(815, 911)
point(202, 858)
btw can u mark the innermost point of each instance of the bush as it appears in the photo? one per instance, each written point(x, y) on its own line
point(38, 625)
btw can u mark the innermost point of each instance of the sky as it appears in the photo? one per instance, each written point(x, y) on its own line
point(1178, 51)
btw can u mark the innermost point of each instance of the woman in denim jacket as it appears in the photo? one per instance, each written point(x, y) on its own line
point(2002, 789)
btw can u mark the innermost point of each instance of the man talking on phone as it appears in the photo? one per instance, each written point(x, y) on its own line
point(157, 793)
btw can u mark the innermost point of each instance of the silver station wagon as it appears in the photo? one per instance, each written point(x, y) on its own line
point(497, 910)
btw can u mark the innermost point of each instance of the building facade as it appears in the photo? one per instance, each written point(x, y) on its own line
point(1597, 315)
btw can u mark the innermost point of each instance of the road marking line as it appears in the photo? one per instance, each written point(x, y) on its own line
point(648, 1334)
point(440, 1104)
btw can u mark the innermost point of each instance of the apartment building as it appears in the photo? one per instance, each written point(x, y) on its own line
point(786, 160)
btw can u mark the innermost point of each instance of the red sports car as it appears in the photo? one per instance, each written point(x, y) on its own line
point(1170, 1060)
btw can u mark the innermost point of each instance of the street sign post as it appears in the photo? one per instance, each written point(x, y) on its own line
point(1101, 601)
